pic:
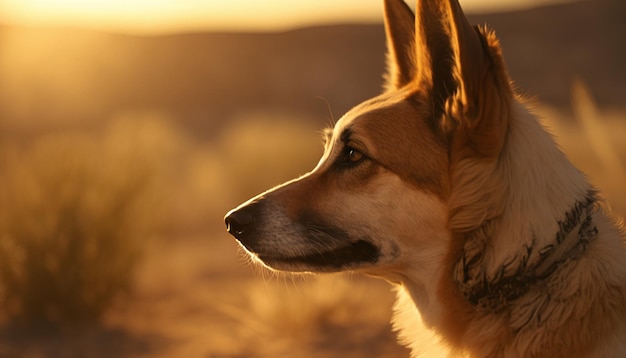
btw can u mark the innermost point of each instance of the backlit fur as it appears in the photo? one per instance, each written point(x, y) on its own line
point(446, 182)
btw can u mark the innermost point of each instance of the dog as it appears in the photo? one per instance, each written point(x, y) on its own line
point(449, 187)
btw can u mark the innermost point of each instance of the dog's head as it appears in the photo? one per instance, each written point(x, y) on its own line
point(387, 192)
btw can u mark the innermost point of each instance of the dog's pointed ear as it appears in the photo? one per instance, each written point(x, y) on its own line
point(462, 70)
point(400, 31)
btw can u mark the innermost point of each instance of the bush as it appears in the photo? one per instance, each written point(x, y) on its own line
point(73, 209)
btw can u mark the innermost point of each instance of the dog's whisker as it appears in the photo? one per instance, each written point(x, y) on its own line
point(331, 118)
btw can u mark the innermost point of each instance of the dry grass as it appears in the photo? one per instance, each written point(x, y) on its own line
point(593, 139)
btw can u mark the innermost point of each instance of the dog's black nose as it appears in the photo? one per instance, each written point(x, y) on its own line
point(239, 222)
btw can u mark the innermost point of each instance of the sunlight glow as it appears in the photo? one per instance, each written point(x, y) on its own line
point(183, 15)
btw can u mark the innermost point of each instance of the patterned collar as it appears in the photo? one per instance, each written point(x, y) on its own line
point(575, 234)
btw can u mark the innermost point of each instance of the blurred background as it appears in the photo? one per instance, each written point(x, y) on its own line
point(128, 128)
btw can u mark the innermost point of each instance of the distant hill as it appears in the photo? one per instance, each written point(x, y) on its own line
point(52, 77)
point(545, 48)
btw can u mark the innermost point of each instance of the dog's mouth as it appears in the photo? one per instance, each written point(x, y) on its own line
point(354, 254)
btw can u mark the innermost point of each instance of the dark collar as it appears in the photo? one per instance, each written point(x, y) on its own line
point(575, 234)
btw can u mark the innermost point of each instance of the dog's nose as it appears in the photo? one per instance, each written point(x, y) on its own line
point(238, 221)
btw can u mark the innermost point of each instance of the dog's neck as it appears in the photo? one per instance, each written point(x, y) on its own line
point(576, 232)
point(538, 213)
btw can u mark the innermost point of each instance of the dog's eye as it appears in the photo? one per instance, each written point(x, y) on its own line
point(352, 156)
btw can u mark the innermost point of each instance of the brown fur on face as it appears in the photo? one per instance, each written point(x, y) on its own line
point(404, 118)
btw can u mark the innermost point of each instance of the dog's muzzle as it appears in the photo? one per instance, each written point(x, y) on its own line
point(308, 244)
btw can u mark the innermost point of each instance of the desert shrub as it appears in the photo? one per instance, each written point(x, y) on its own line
point(73, 211)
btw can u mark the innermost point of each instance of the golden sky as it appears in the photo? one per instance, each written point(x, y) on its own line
point(158, 16)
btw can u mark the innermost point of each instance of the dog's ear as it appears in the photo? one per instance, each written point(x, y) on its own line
point(400, 31)
point(462, 70)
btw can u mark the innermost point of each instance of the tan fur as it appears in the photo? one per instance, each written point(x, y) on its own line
point(447, 186)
